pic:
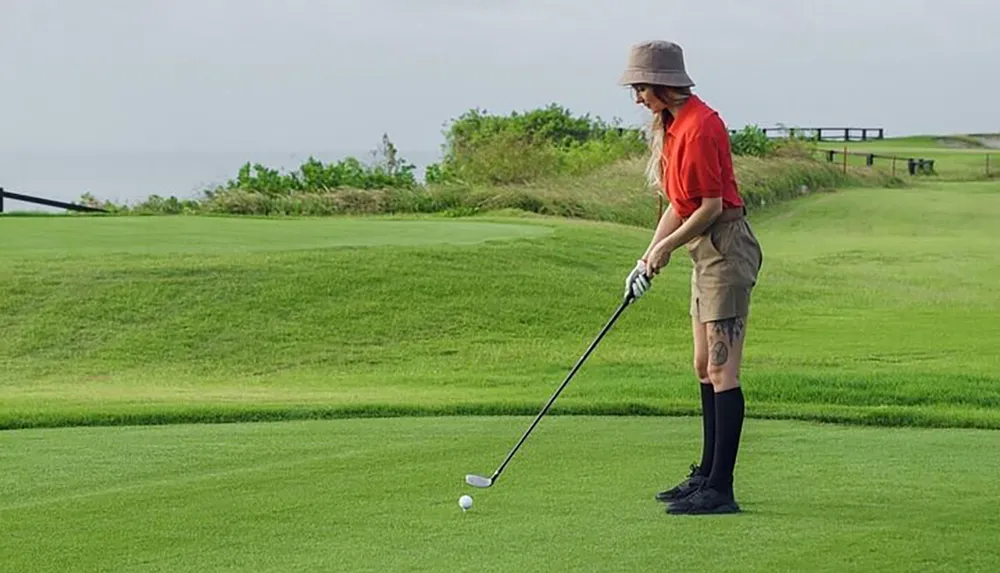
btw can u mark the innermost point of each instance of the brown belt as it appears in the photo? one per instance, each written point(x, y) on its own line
point(728, 215)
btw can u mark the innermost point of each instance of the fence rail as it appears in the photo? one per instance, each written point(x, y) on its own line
point(47, 202)
point(914, 165)
point(826, 133)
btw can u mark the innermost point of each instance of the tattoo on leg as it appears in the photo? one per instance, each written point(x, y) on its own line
point(720, 353)
point(732, 328)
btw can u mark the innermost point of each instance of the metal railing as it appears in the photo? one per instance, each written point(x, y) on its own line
point(47, 202)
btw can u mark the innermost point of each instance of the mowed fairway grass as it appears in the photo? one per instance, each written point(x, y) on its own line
point(876, 307)
point(382, 495)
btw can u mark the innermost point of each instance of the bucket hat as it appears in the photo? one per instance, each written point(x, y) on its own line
point(656, 62)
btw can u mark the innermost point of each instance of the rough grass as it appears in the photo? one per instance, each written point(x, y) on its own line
point(381, 495)
point(875, 306)
point(615, 193)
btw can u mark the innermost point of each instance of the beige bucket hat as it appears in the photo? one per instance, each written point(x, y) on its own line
point(656, 62)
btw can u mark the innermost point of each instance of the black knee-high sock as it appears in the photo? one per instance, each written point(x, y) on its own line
point(729, 408)
point(708, 428)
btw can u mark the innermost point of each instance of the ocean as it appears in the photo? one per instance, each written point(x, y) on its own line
point(130, 177)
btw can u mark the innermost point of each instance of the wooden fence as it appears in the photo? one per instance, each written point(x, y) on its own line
point(46, 202)
point(826, 133)
point(914, 165)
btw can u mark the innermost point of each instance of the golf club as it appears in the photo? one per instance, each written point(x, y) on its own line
point(481, 481)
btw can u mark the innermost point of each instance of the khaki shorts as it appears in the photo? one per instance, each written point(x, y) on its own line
point(727, 259)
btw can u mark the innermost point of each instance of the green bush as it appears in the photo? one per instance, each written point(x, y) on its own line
point(751, 140)
point(387, 170)
point(503, 158)
point(522, 147)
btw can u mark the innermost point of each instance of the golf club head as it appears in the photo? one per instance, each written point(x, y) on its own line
point(478, 481)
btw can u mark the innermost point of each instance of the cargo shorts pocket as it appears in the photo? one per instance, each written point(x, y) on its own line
point(704, 248)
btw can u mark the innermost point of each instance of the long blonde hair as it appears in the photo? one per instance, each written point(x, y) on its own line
point(673, 97)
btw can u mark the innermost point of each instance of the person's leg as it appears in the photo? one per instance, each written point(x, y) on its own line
point(700, 335)
point(700, 472)
point(725, 340)
point(730, 259)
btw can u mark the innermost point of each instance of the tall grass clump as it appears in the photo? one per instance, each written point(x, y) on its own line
point(483, 148)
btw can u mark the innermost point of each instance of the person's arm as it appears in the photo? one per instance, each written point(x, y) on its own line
point(696, 224)
point(637, 280)
point(702, 175)
point(669, 222)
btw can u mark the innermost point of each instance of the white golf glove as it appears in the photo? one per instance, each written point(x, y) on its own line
point(637, 282)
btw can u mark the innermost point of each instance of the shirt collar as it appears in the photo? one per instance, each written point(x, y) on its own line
point(685, 111)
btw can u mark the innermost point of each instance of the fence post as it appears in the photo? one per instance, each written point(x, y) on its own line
point(870, 160)
point(845, 159)
point(893, 165)
point(1, 191)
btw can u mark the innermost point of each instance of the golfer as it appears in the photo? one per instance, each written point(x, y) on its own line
point(691, 164)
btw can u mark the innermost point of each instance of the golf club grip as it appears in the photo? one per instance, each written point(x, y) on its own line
point(559, 390)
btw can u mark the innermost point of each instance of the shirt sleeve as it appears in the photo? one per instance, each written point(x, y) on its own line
point(701, 170)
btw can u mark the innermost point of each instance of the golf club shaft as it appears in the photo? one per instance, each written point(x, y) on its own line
point(580, 362)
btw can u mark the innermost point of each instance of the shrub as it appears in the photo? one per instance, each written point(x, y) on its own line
point(387, 169)
point(522, 147)
point(751, 140)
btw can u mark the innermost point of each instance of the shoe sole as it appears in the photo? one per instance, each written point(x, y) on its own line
point(726, 509)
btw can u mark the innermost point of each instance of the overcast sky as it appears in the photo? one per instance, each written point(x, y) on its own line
point(335, 74)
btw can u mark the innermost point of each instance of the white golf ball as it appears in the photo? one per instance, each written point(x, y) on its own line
point(465, 502)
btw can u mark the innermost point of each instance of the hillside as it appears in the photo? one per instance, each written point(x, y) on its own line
point(862, 315)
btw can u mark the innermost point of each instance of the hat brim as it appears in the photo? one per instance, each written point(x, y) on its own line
point(669, 79)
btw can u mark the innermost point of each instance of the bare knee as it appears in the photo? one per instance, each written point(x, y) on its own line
point(718, 376)
point(701, 369)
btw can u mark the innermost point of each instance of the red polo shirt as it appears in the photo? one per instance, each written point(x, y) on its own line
point(698, 160)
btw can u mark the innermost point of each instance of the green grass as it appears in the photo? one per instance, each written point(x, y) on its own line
point(27, 239)
point(955, 157)
point(381, 495)
point(875, 306)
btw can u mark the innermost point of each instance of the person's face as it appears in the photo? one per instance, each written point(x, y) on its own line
point(645, 95)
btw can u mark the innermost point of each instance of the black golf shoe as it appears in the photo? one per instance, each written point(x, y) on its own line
point(705, 500)
point(685, 488)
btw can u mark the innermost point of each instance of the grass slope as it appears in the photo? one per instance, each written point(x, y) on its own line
point(875, 306)
point(366, 495)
